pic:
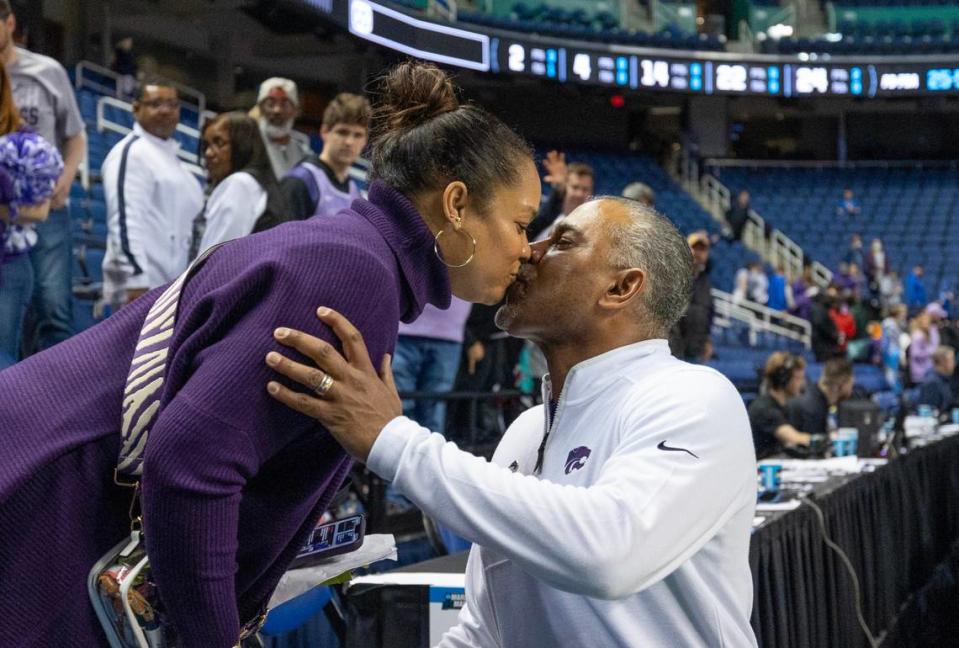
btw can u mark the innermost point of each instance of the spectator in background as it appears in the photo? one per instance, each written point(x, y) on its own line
point(877, 263)
point(848, 207)
point(915, 290)
point(152, 199)
point(44, 96)
point(804, 290)
point(825, 334)
point(572, 185)
point(947, 298)
point(891, 343)
point(936, 387)
point(277, 107)
point(125, 64)
point(741, 284)
point(427, 358)
point(855, 253)
point(810, 411)
point(890, 290)
point(758, 283)
point(924, 340)
point(696, 325)
point(780, 293)
point(321, 186)
point(842, 317)
point(850, 279)
point(784, 376)
point(641, 193)
point(29, 169)
point(738, 215)
point(488, 364)
point(241, 179)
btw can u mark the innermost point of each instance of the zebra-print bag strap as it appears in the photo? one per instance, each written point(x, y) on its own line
point(144, 386)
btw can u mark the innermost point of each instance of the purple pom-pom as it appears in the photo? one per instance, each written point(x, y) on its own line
point(33, 165)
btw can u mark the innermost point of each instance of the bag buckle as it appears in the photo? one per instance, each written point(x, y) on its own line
point(123, 481)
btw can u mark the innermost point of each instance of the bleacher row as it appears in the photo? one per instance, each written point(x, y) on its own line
point(864, 44)
point(912, 210)
point(742, 363)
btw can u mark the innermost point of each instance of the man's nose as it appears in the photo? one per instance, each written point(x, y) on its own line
point(537, 250)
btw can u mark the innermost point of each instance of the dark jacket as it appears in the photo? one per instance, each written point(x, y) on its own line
point(737, 217)
point(825, 335)
point(695, 326)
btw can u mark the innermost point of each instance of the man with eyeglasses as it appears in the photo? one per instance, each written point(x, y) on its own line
point(277, 107)
point(152, 198)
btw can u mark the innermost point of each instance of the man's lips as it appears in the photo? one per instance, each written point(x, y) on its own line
point(519, 286)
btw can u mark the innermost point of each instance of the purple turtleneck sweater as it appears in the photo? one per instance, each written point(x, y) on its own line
point(233, 481)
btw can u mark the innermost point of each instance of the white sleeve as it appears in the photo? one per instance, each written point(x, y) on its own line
point(129, 196)
point(233, 209)
point(661, 507)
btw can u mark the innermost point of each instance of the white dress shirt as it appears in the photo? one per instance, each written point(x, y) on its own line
point(636, 532)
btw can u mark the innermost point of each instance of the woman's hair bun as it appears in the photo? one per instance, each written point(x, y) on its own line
point(411, 94)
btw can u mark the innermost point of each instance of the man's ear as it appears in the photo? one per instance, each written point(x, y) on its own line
point(625, 289)
point(455, 199)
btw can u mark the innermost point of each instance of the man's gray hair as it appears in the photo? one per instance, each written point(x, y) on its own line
point(651, 243)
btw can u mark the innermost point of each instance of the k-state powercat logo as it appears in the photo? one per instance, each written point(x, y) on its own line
point(577, 458)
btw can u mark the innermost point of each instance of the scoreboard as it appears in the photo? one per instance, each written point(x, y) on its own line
point(643, 69)
point(769, 76)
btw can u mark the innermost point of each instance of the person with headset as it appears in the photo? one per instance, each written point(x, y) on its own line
point(783, 378)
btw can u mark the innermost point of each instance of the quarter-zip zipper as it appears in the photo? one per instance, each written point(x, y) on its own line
point(549, 424)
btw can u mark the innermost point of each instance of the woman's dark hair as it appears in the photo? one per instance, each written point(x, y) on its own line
point(248, 152)
point(424, 138)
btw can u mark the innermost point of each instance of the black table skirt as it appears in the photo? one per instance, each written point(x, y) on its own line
point(899, 526)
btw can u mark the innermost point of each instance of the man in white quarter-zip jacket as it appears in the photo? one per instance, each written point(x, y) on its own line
point(152, 199)
point(618, 514)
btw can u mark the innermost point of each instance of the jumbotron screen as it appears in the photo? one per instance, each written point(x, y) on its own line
point(641, 69)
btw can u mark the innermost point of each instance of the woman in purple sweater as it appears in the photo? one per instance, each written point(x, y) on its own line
point(233, 482)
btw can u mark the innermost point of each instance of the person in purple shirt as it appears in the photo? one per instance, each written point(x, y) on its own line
point(233, 481)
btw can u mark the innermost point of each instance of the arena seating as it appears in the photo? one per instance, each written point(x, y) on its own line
point(864, 44)
point(881, 27)
point(910, 209)
point(599, 29)
point(616, 170)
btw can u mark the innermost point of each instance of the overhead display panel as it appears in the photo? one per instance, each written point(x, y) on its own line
point(629, 68)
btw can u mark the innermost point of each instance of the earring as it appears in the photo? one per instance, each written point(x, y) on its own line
point(436, 249)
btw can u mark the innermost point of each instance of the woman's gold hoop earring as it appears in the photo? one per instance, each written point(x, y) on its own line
point(436, 249)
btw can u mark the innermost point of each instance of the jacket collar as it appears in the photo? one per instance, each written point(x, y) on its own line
point(592, 376)
point(169, 146)
point(426, 279)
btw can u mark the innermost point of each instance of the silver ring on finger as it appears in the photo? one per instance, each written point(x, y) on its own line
point(323, 386)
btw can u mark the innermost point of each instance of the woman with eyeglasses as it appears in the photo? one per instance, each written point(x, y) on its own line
point(232, 482)
point(241, 179)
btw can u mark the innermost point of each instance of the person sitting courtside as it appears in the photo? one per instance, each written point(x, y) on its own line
point(783, 378)
point(936, 390)
point(810, 411)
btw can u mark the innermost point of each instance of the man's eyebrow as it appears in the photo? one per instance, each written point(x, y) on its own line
point(564, 228)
